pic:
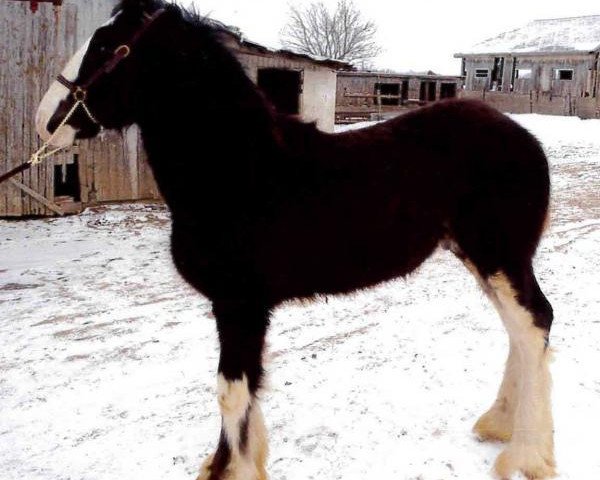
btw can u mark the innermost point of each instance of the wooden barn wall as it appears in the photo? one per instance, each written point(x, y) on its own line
point(538, 102)
point(542, 74)
point(112, 167)
point(35, 47)
point(365, 84)
point(26, 68)
point(542, 93)
point(317, 101)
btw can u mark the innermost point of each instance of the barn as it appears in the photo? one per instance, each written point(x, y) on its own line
point(548, 66)
point(296, 84)
point(37, 39)
point(371, 95)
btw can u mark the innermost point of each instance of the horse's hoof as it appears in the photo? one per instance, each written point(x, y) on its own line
point(525, 459)
point(494, 426)
point(205, 469)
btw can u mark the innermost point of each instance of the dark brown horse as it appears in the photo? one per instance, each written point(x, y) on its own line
point(266, 208)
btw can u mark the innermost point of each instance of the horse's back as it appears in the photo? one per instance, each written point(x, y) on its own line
point(501, 181)
point(389, 193)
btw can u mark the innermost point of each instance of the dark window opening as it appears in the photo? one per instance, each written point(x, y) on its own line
point(497, 73)
point(66, 180)
point(282, 87)
point(427, 92)
point(404, 93)
point(564, 74)
point(431, 91)
point(392, 89)
point(448, 90)
point(513, 75)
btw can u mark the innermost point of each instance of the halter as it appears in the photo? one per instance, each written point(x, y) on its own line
point(79, 93)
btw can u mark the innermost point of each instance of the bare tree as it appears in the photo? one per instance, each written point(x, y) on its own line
point(340, 35)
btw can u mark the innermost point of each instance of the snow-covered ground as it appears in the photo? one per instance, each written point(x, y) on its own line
point(107, 359)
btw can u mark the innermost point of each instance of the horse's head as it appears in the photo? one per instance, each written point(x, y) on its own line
point(103, 74)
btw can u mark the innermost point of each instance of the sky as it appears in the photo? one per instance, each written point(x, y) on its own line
point(416, 35)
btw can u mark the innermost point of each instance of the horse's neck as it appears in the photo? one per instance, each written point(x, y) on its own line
point(207, 144)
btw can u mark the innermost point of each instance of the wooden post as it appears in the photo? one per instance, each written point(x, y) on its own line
point(530, 101)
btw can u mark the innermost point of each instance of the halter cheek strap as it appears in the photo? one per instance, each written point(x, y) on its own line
point(79, 92)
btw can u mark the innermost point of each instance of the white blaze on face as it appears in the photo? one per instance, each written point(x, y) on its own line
point(56, 94)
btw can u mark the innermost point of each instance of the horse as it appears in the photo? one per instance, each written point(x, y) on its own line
point(267, 208)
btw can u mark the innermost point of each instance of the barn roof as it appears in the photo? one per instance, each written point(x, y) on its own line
point(242, 41)
point(555, 35)
point(429, 75)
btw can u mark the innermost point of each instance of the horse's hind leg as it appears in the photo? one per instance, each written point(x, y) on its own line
point(521, 413)
point(497, 423)
point(527, 316)
point(242, 450)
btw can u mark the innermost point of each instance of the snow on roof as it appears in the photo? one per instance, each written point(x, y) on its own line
point(574, 34)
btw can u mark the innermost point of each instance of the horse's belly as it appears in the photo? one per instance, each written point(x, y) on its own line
point(341, 258)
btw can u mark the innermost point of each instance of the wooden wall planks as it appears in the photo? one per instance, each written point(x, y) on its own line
point(35, 47)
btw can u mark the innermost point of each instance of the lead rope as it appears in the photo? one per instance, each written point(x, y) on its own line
point(44, 151)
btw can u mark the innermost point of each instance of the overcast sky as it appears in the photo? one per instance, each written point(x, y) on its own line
point(416, 35)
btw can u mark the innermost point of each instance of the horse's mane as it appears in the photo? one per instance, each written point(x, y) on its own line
point(294, 133)
point(189, 14)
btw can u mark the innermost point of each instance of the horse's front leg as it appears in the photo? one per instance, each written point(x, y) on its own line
point(242, 450)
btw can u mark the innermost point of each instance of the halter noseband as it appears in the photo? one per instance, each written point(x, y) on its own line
point(79, 92)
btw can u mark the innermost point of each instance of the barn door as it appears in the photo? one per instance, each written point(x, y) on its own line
point(282, 87)
point(37, 38)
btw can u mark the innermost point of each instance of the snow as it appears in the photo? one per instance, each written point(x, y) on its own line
point(108, 359)
point(574, 34)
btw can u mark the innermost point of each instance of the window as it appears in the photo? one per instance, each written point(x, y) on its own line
point(563, 74)
point(388, 90)
point(448, 90)
point(282, 88)
point(427, 92)
point(523, 73)
point(481, 73)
